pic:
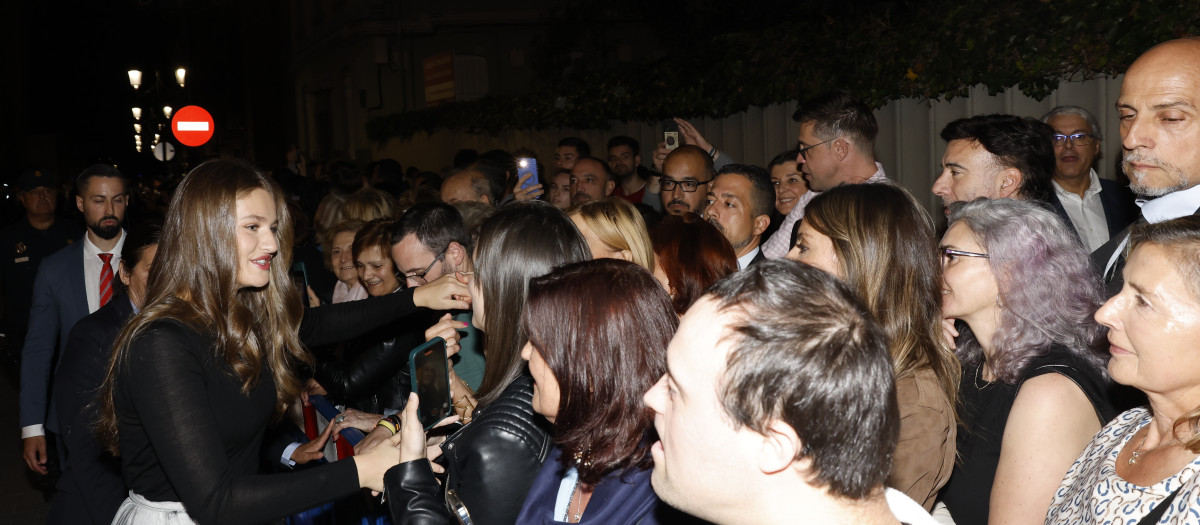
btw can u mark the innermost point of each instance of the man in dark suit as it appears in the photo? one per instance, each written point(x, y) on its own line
point(740, 200)
point(1159, 108)
point(69, 285)
point(1096, 208)
point(91, 488)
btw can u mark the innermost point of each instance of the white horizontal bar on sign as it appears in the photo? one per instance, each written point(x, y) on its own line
point(193, 126)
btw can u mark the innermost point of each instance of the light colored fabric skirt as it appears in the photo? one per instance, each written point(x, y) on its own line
point(137, 510)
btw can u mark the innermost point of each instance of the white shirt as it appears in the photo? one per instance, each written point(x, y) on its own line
point(1086, 213)
point(745, 260)
point(1161, 209)
point(92, 265)
point(906, 510)
point(780, 242)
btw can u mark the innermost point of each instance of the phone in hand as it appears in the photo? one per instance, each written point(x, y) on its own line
point(430, 374)
point(525, 166)
point(671, 138)
point(299, 276)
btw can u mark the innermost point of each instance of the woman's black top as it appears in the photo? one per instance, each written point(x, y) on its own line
point(983, 411)
point(189, 434)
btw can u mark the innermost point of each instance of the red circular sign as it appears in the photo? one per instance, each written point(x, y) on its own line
point(192, 126)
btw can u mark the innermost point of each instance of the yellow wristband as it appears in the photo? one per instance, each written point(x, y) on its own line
point(385, 423)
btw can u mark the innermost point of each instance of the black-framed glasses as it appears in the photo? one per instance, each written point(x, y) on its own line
point(804, 150)
point(1076, 139)
point(689, 186)
point(419, 278)
point(948, 254)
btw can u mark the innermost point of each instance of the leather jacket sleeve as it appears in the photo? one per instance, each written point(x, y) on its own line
point(374, 365)
point(412, 495)
point(492, 465)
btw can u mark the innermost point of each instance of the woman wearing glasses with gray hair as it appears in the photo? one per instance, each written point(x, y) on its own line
point(1033, 390)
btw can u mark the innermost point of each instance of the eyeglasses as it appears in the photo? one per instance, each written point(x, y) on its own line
point(1076, 139)
point(689, 186)
point(948, 254)
point(804, 150)
point(419, 278)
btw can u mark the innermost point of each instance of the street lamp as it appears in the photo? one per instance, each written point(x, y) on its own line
point(157, 94)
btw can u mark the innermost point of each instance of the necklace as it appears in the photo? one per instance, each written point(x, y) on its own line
point(1139, 453)
point(978, 371)
point(580, 459)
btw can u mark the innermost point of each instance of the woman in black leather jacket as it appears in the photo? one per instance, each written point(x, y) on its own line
point(373, 373)
point(491, 462)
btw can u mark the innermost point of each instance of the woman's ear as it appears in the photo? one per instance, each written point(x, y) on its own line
point(625, 255)
point(123, 272)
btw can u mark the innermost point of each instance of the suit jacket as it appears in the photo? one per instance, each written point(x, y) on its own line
point(91, 477)
point(1105, 252)
point(1120, 209)
point(59, 301)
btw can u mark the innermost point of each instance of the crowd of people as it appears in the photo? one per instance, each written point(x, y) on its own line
point(697, 340)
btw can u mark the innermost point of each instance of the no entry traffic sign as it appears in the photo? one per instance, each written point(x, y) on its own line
point(192, 126)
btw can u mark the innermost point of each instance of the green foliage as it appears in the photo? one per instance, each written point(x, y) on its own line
point(926, 50)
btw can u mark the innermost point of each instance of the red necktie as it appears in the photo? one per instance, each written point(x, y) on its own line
point(106, 279)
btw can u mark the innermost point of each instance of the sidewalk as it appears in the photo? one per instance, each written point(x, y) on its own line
point(20, 503)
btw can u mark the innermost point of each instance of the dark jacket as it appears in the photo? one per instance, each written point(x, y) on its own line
point(490, 463)
point(373, 374)
point(1120, 209)
point(91, 487)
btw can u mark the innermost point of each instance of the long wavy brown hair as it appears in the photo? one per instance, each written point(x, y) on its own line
point(194, 281)
point(886, 245)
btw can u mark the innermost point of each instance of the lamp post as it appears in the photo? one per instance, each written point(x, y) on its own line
point(153, 109)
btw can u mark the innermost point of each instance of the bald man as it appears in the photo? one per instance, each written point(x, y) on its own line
point(1159, 108)
point(687, 172)
point(466, 186)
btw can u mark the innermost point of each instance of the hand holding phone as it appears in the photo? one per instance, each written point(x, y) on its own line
point(430, 374)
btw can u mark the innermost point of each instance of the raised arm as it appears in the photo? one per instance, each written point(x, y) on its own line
point(1050, 424)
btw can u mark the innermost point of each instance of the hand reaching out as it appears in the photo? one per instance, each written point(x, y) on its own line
point(314, 449)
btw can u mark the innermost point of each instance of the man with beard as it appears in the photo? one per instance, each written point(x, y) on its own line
point(687, 172)
point(70, 284)
point(1159, 110)
point(996, 157)
point(590, 180)
point(625, 162)
point(739, 204)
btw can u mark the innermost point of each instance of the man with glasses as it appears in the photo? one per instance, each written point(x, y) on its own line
point(430, 240)
point(996, 157)
point(836, 146)
point(1096, 208)
point(687, 172)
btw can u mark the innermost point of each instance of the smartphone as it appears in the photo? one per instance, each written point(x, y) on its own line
point(431, 381)
point(671, 138)
point(527, 165)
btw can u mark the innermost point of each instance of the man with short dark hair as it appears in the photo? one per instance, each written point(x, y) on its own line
point(740, 200)
point(687, 172)
point(633, 180)
point(590, 180)
point(1095, 208)
point(431, 240)
point(997, 157)
point(781, 369)
point(569, 151)
point(836, 146)
point(39, 233)
point(70, 284)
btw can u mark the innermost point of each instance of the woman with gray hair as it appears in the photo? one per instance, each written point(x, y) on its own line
point(1032, 391)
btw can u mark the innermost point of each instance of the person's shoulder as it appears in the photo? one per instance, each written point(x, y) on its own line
point(64, 255)
point(511, 417)
point(906, 510)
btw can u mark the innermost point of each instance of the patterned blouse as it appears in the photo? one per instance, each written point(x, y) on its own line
point(1092, 492)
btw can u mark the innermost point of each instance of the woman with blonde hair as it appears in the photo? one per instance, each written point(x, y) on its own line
point(614, 229)
point(369, 204)
point(1144, 466)
point(877, 239)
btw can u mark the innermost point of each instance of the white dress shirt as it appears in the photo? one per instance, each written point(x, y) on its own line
point(1162, 209)
point(745, 260)
point(92, 265)
point(1086, 213)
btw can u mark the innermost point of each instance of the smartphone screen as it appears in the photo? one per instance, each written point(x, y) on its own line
point(300, 281)
point(431, 381)
point(527, 165)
